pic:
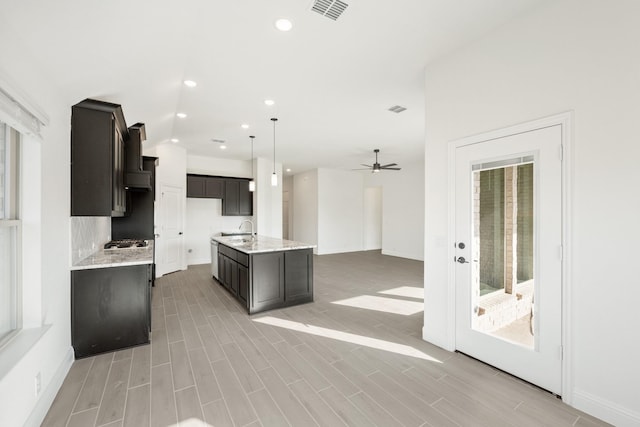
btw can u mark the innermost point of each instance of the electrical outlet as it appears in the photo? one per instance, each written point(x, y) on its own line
point(38, 380)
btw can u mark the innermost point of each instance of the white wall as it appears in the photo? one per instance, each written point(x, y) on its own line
point(305, 207)
point(206, 165)
point(403, 206)
point(340, 211)
point(372, 219)
point(580, 56)
point(46, 235)
point(268, 199)
point(287, 217)
point(204, 216)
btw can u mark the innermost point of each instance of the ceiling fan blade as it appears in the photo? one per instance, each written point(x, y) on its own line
point(369, 166)
point(390, 169)
point(361, 169)
point(390, 164)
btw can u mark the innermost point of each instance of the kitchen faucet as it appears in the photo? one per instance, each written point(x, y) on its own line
point(250, 222)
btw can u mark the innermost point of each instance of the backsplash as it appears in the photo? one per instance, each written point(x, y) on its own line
point(88, 234)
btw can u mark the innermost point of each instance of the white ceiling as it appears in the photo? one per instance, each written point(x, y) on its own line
point(332, 81)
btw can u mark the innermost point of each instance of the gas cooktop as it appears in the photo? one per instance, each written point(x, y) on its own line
point(126, 244)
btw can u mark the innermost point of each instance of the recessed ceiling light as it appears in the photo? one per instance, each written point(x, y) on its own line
point(269, 102)
point(288, 170)
point(190, 83)
point(245, 126)
point(175, 140)
point(223, 147)
point(181, 115)
point(283, 24)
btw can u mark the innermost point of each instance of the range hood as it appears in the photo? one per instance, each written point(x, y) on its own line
point(135, 178)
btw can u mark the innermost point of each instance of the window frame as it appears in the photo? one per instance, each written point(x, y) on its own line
point(10, 219)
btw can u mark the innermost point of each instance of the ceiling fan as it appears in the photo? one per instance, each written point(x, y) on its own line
point(376, 167)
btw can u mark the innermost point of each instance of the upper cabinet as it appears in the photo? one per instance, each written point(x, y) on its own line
point(237, 200)
point(98, 136)
point(203, 186)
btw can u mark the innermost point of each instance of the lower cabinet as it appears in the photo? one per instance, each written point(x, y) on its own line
point(267, 280)
point(299, 275)
point(110, 308)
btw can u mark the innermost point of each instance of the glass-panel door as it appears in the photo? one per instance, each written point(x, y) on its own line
point(508, 264)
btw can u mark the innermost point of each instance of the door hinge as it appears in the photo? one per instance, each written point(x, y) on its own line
point(560, 352)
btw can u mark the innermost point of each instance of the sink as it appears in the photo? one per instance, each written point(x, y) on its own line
point(241, 241)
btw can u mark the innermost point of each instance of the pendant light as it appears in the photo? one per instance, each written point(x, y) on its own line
point(252, 183)
point(274, 177)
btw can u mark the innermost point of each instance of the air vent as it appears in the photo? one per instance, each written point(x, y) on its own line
point(397, 109)
point(330, 8)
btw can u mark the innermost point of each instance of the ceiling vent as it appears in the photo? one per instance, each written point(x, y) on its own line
point(397, 109)
point(329, 8)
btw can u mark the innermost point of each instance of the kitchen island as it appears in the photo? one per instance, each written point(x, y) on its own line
point(264, 273)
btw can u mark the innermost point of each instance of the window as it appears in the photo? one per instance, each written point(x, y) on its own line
point(10, 233)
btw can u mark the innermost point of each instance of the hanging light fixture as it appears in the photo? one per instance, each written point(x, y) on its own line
point(274, 177)
point(252, 183)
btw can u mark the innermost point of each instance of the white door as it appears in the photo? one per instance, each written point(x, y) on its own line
point(171, 235)
point(508, 254)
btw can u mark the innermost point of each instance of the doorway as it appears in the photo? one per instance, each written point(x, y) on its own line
point(372, 219)
point(508, 253)
point(171, 235)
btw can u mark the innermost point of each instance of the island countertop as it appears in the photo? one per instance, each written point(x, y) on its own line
point(260, 244)
point(116, 258)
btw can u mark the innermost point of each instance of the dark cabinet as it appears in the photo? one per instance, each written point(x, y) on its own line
point(298, 275)
point(195, 186)
point(243, 284)
point(110, 308)
point(230, 203)
point(267, 281)
point(233, 272)
point(238, 200)
point(203, 186)
point(98, 136)
point(214, 188)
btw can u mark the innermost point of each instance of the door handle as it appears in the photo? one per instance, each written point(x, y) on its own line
point(461, 260)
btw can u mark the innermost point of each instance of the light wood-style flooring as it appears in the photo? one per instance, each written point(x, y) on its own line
point(327, 363)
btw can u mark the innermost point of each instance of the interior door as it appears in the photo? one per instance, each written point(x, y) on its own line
point(508, 255)
point(172, 223)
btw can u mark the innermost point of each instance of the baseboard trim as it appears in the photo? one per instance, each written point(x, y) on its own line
point(436, 341)
point(605, 410)
point(49, 394)
point(401, 255)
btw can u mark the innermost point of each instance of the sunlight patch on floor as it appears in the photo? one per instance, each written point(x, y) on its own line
point(401, 349)
point(405, 291)
point(388, 305)
point(191, 422)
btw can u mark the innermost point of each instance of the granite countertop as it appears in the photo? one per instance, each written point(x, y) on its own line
point(116, 258)
point(260, 244)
